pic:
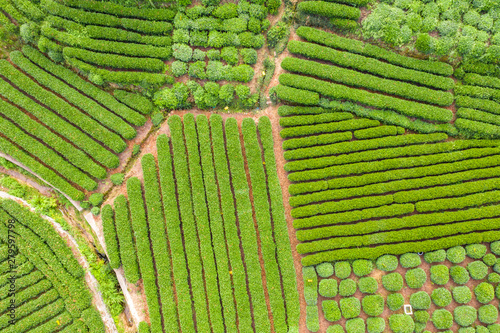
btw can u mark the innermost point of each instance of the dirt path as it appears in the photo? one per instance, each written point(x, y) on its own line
point(89, 278)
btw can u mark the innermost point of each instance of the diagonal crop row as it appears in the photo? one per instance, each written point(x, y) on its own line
point(356, 79)
point(109, 231)
point(369, 65)
point(86, 87)
point(335, 126)
point(87, 124)
point(96, 111)
point(336, 91)
point(302, 120)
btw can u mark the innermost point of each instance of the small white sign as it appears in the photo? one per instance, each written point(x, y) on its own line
point(408, 309)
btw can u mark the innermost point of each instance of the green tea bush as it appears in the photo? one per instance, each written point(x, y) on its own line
point(420, 300)
point(96, 199)
point(462, 294)
point(410, 260)
point(440, 274)
point(488, 314)
point(337, 328)
point(495, 247)
point(395, 301)
point(342, 269)
point(494, 278)
point(477, 270)
point(400, 323)
point(484, 292)
point(456, 254)
point(465, 315)
point(331, 310)
point(435, 256)
point(494, 328)
point(179, 68)
point(481, 329)
point(441, 297)
point(442, 319)
point(95, 211)
point(310, 285)
point(182, 52)
point(375, 324)
point(328, 288)
point(368, 285)
point(356, 325)
point(392, 281)
point(350, 307)
point(362, 267)
point(324, 270)
point(466, 330)
point(459, 274)
point(476, 251)
point(312, 318)
point(415, 278)
point(347, 287)
point(490, 259)
point(373, 305)
point(213, 54)
point(387, 263)
point(249, 56)
point(421, 316)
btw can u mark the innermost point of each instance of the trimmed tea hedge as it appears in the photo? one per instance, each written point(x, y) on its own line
point(369, 65)
point(108, 226)
point(144, 253)
point(357, 79)
point(298, 96)
point(329, 9)
point(336, 91)
point(336, 41)
point(335, 126)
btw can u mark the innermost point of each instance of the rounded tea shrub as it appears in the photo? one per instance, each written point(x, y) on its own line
point(420, 300)
point(350, 307)
point(497, 291)
point(476, 251)
point(400, 323)
point(342, 269)
point(484, 292)
point(331, 310)
point(415, 278)
point(477, 270)
point(490, 259)
point(435, 256)
point(440, 274)
point(465, 315)
point(495, 247)
point(373, 305)
point(410, 260)
point(375, 324)
point(356, 325)
point(488, 314)
point(328, 288)
point(387, 263)
point(392, 281)
point(335, 329)
point(466, 330)
point(395, 301)
point(362, 267)
point(347, 287)
point(368, 285)
point(494, 328)
point(494, 278)
point(462, 294)
point(482, 329)
point(459, 274)
point(455, 254)
point(325, 269)
point(419, 327)
point(442, 319)
point(421, 316)
point(441, 297)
